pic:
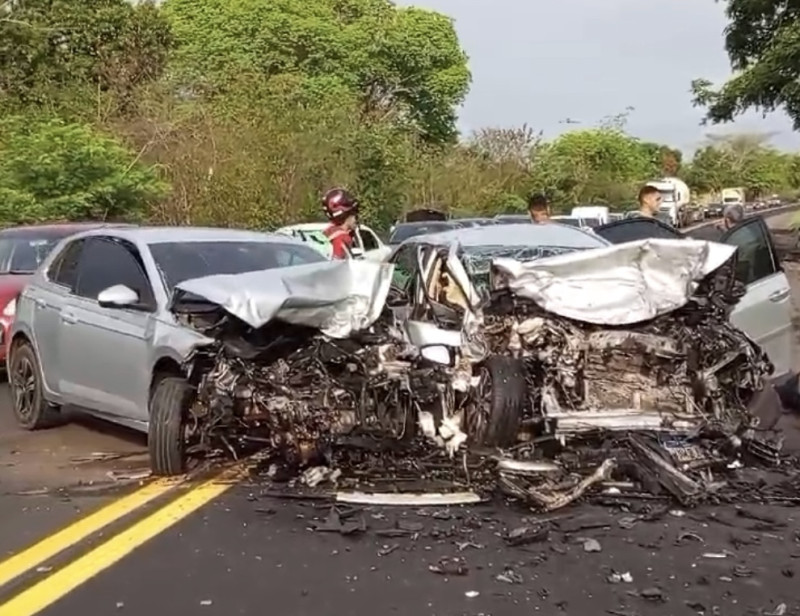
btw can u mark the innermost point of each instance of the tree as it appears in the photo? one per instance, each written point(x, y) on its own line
point(763, 43)
point(603, 164)
point(53, 170)
point(61, 54)
point(405, 63)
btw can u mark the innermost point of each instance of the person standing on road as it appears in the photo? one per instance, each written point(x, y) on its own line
point(341, 208)
point(539, 209)
point(649, 201)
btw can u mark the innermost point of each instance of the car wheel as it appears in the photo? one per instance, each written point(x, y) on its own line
point(502, 398)
point(166, 437)
point(32, 410)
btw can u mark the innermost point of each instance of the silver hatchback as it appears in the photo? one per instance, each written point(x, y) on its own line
point(93, 327)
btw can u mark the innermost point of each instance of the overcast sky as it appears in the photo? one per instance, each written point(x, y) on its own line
point(539, 62)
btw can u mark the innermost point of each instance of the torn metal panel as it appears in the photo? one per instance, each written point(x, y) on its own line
point(619, 285)
point(336, 297)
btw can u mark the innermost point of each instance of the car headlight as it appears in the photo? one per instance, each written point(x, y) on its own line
point(11, 308)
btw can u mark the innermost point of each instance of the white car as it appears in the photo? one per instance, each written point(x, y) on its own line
point(765, 310)
point(367, 243)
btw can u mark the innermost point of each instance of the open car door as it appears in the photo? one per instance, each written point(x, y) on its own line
point(633, 229)
point(765, 311)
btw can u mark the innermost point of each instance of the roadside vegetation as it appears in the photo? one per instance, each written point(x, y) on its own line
point(241, 112)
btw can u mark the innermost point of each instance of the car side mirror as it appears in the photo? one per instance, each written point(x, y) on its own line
point(356, 252)
point(118, 296)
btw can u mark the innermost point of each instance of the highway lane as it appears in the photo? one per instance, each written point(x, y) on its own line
point(222, 548)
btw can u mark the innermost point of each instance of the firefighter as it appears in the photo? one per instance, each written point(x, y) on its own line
point(341, 208)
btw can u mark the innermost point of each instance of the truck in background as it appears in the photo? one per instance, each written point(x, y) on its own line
point(733, 196)
point(675, 200)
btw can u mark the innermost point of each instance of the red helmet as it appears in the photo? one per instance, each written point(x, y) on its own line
point(337, 203)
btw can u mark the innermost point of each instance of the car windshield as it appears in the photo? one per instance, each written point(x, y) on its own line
point(23, 255)
point(591, 222)
point(403, 232)
point(180, 261)
point(478, 259)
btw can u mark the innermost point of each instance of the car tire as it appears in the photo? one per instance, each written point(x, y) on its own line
point(166, 438)
point(507, 398)
point(31, 409)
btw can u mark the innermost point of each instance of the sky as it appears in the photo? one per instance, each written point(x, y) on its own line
point(539, 63)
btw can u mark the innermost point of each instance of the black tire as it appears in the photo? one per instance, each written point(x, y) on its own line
point(31, 409)
point(166, 438)
point(507, 399)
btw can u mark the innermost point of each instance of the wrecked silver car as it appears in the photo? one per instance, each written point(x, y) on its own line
point(552, 368)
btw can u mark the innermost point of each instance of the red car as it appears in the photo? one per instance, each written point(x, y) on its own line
point(22, 249)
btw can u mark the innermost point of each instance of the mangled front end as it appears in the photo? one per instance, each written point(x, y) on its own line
point(304, 356)
point(637, 379)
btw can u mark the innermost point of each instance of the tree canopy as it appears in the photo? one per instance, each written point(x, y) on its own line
point(242, 112)
point(763, 43)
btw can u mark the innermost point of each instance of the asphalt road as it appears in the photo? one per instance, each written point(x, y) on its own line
point(223, 547)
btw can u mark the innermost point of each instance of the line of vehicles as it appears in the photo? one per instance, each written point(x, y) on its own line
point(91, 319)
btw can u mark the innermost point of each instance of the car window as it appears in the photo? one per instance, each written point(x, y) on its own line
point(64, 269)
point(754, 258)
point(24, 254)
point(106, 262)
point(180, 261)
point(405, 267)
point(639, 228)
point(368, 239)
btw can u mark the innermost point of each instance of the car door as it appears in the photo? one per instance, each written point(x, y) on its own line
point(765, 311)
point(48, 299)
point(104, 350)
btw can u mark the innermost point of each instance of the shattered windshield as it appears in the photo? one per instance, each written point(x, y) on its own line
point(22, 255)
point(477, 260)
point(180, 261)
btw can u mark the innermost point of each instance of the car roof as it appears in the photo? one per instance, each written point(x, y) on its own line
point(422, 223)
point(312, 226)
point(526, 234)
point(57, 229)
point(163, 235)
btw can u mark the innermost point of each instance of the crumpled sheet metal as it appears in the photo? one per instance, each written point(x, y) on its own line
point(338, 298)
point(619, 285)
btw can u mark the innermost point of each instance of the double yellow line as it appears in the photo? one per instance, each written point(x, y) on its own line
point(46, 592)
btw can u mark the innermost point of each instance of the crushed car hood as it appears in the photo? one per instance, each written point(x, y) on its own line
point(337, 297)
point(619, 285)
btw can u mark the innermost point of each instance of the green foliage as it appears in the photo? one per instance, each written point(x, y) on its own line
point(58, 171)
point(81, 57)
point(743, 160)
point(763, 43)
point(401, 62)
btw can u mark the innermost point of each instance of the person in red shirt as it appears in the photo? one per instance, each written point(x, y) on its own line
point(341, 208)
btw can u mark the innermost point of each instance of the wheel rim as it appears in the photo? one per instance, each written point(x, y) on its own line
point(23, 380)
point(480, 408)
